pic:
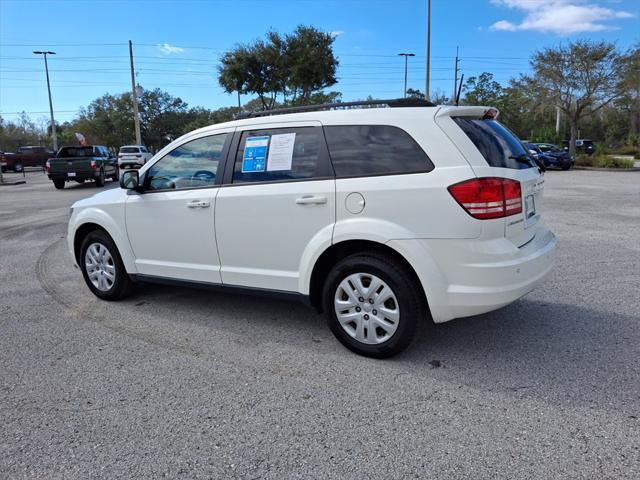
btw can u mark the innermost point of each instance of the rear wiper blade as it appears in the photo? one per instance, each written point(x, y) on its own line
point(527, 159)
point(522, 159)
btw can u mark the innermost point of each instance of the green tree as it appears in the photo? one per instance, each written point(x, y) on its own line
point(580, 78)
point(296, 67)
point(483, 90)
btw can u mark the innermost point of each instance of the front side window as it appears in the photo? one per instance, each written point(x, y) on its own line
point(499, 147)
point(361, 150)
point(279, 155)
point(192, 165)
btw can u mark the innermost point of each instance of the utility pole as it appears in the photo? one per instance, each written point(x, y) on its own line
point(406, 57)
point(428, 81)
point(455, 76)
point(53, 122)
point(136, 117)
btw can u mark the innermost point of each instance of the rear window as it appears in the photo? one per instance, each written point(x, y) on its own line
point(68, 152)
point(361, 150)
point(129, 150)
point(499, 147)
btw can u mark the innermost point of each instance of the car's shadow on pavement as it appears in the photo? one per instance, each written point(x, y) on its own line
point(552, 351)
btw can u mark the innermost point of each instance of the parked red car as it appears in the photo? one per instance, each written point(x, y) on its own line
point(25, 157)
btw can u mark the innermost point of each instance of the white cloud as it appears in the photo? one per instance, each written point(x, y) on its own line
point(169, 49)
point(336, 33)
point(562, 17)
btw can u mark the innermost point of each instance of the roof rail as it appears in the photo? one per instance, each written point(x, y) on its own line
point(393, 103)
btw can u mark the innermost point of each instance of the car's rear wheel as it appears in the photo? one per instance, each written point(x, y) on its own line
point(59, 184)
point(18, 167)
point(102, 267)
point(372, 304)
point(100, 179)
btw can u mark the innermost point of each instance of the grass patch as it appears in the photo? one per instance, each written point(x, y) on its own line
point(603, 161)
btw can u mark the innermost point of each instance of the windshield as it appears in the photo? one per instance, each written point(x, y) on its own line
point(68, 152)
point(499, 147)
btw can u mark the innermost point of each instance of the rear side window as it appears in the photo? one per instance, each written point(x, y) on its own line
point(499, 147)
point(279, 155)
point(361, 150)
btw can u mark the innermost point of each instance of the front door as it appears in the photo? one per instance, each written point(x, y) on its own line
point(278, 202)
point(171, 224)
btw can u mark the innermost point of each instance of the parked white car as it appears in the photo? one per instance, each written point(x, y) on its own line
point(133, 156)
point(380, 217)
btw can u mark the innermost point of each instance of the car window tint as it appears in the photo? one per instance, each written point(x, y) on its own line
point(278, 154)
point(359, 150)
point(191, 165)
point(498, 146)
point(129, 150)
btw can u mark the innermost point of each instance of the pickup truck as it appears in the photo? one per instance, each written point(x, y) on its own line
point(82, 163)
point(24, 157)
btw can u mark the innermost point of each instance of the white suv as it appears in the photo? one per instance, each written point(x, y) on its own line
point(133, 156)
point(380, 217)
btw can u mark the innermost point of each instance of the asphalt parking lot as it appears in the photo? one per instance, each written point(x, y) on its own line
point(182, 383)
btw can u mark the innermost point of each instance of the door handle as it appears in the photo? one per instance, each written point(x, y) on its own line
point(311, 200)
point(198, 204)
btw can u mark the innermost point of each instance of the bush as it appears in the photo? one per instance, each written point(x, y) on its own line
point(627, 150)
point(603, 161)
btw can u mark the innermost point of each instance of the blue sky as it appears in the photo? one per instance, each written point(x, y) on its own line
point(177, 44)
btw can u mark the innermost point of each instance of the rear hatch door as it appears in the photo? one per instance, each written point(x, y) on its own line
point(492, 150)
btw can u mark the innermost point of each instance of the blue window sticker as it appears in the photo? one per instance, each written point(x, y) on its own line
point(254, 158)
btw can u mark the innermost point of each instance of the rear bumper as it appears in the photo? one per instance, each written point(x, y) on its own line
point(93, 174)
point(470, 277)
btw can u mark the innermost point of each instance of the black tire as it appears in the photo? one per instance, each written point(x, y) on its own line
point(406, 290)
point(122, 285)
point(18, 167)
point(59, 184)
point(566, 167)
point(116, 175)
point(100, 179)
point(3, 168)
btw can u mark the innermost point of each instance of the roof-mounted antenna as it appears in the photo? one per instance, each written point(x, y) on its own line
point(459, 90)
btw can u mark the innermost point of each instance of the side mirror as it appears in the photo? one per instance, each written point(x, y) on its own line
point(130, 180)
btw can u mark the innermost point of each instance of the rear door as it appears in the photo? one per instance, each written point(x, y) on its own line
point(494, 151)
point(278, 198)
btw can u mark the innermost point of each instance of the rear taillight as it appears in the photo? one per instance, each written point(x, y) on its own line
point(489, 197)
point(93, 165)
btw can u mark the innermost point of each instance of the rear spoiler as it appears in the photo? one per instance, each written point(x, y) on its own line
point(477, 112)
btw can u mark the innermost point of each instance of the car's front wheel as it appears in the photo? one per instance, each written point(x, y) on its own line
point(100, 179)
point(102, 267)
point(373, 304)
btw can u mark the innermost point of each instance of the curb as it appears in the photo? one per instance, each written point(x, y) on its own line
point(8, 184)
point(596, 169)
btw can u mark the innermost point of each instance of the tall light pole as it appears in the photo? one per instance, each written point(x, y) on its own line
point(406, 57)
point(53, 122)
point(136, 116)
point(428, 81)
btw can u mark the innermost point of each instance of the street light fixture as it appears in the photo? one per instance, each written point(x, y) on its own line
point(406, 56)
point(53, 122)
